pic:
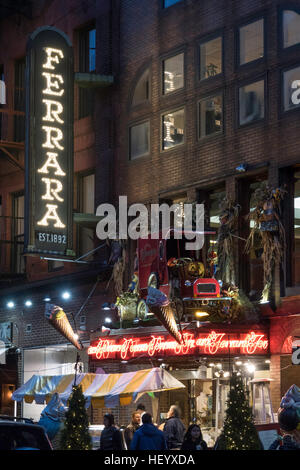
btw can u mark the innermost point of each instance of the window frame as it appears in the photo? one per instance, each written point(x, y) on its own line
point(260, 60)
point(135, 81)
point(168, 56)
point(217, 34)
point(134, 124)
point(85, 101)
point(282, 111)
point(215, 134)
point(280, 28)
point(79, 180)
point(244, 83)
point(162, 114)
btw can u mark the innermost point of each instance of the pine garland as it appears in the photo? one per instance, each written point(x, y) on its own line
point(75, 434)
point(239, 432)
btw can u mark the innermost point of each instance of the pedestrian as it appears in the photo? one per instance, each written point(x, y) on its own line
point(193, 439)
point(132, 427)
point(110, 438)
point(148, 437)
point(289, 422)
point(174, 429)
point(141, 409)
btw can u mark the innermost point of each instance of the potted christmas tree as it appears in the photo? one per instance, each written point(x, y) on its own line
point(239, 432)
point(75, 434)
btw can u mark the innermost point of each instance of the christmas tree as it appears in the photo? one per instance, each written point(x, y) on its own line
point(239, 432)
point(75, 434)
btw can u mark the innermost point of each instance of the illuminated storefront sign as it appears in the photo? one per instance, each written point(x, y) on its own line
point(49, 143)
point(213, 343)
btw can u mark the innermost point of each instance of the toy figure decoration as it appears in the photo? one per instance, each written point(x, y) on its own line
point(228, 225)
point(268, 226)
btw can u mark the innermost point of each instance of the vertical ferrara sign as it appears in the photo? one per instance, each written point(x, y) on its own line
point(49, 143)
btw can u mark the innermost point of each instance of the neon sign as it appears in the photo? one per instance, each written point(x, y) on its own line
point(49, 143)
point(210, 344)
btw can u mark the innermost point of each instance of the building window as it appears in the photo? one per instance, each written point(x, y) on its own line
point(296, 257)
point(139, 140)
point(210, 116)
point(87, 64)
point(251, 42)
point(251, 102)
point(19, 101)
point(86, 206)
point(142, 89)
point(173, 129)
point(211, 58)
point(291, 28)
point(18, 261)
point(173, 73)
point(291, 89)
point(2, 97)
point(169, 3)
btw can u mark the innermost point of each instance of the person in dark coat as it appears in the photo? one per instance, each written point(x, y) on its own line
point(110, 438)
point(174, 429)
point(193, 439)
point(148, 437)
point(289, 421)
point(132, 427)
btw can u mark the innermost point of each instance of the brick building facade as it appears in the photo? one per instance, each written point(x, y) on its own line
point(189, 101)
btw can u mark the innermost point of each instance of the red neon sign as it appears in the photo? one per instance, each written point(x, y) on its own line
point(212, 344)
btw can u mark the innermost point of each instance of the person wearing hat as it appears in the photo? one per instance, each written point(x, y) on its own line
point(289, 421)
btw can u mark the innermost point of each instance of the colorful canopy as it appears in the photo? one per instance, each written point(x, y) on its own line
point(101, 390)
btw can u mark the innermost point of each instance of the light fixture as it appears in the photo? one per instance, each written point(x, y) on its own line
point(105, 306)
point(124, 362)
point(250, 367)
point(211, 364)
point(201, 314)
point(28, 303)
point(47, 299)
point(267, 361)
point(241, 168)
point(107, 320)
point(238, 363)
point(217, 374)
point(219, 365)
point(10, 304)
point(66, 295)
point(226, 374)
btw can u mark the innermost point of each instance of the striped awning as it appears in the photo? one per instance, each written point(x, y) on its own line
point(100, 390)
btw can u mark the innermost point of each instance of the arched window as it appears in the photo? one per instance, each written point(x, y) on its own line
point(142, 89)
